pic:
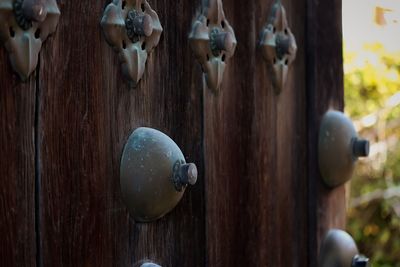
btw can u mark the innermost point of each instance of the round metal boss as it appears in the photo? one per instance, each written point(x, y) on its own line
point(339, 148)
point(153, 174)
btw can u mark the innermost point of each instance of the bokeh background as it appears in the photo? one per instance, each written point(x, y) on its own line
point(371, 36)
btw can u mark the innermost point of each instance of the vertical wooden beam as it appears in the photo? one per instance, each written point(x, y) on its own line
point(87, 113)
point(17, 167)
point(255, 147)
point(324, 90)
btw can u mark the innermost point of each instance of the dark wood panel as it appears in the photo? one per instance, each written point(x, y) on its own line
point(87, 112)
point(255, 147)
point(324, 90)
point(17, 167)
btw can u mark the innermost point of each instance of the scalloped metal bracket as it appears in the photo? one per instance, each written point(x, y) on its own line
point(24, 26)
point(278, 46)
point(213, 42)
point(133, 29)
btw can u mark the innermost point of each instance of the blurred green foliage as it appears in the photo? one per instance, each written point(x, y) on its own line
point(372, 86)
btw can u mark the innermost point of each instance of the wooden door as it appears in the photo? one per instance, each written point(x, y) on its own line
point(259, 200)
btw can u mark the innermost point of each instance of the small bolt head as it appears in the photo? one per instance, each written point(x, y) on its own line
point(192, 174)
point(360, 148)
point(360, 261)
point(229, 42)
point(34, 10)
point(147, 25)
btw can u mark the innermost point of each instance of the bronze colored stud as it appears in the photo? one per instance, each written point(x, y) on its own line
point(24, 26)
point(153, 174)
point(338, 249)
point(213, 42)
point(339, 147)
point(278, 46)
point(133, 29)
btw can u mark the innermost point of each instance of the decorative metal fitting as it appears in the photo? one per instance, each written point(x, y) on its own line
point(213, 42)
point(133, 29)
point(154, 174)
point(278, 46)
point(339, 250)
point(339, 147)
point(24, 26)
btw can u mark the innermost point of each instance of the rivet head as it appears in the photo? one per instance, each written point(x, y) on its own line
point(222, 41)
point(360, 148)
point(34, 10)
point(360, 261)
point(138, 25)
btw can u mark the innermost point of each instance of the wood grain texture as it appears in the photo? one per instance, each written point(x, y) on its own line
point(17, 167)
point(87, 112)
point(259, 200)
point(324, 91)
point(255, 147)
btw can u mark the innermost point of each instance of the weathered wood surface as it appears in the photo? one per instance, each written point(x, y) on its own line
point(87, 113)
point(17, 167)
point(327, 207)
point(255, 147)
point(259, 199)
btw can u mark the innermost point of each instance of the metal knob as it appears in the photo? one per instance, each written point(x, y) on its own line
point(184, 174)
point(153, 174)
point(339, 147)
point(360, 148)
point(34, 10)
point(138, 24)
point(222, 41)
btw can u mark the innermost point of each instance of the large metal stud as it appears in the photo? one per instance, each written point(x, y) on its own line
point(339, 250)
point(153, 174)
point(339, 147)
point(24, 26)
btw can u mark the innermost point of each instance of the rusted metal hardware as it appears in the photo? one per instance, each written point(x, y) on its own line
point(278, 46)
point(213, 42)
point(133, 29)
point(339, 147)
point(154, 174)
point(339, 250)
point(24, 26)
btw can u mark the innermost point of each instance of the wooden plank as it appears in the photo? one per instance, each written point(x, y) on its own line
point(87, 113)
point(17, 167)
point(324, 90)
point(255, 147)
